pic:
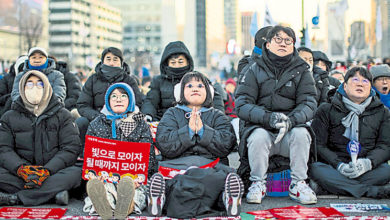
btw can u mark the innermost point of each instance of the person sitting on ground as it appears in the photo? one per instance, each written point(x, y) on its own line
point(120, 119)
point(7, 83)
point(356, 118)
point(320, 76)
point(381, 74)
point(274, 99)
point(111, 69)
point(194, 129)
point(176, 61)
point(38, 60)
point(39, 145)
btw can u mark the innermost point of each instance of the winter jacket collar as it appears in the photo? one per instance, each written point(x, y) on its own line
point(296, 67)
point(187, 109)
point(51, 65)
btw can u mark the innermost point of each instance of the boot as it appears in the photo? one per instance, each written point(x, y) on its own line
point(125, 203)
point(62, 198)
point(9, 199)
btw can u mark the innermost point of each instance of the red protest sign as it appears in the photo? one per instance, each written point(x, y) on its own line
point(111, 159)
point(300, 212)
point(32, 213)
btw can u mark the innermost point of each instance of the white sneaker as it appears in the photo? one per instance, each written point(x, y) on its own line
point(256, 192)
point(302, 193)
point(234, 188)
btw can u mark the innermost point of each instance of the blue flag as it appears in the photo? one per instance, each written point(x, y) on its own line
point(253, 28)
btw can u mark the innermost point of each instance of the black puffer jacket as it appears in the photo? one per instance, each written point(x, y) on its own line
point(6, 84)
point(50, 140)
point(259, 94)
point(374, 126)
point(160, 97)
point(73, 85)
point(91, 99)
point(173, 138)
point(322, 84)
point(101, 127)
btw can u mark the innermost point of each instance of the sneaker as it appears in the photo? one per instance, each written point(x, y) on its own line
point(62, 198)
point(234, 189)
point(256, 192)
point(156, 194)
point(125, 195)
point(302, 193)
point(9, 199)
point(97, 193)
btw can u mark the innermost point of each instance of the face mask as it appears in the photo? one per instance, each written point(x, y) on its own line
point(34, 95)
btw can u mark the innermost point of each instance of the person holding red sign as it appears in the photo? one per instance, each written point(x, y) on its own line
point(39, 146)
point(194, 128)
point(120, 119)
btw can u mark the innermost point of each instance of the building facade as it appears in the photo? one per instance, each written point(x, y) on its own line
point(80, 29)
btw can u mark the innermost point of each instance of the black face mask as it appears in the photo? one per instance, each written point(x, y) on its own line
point(177, 72)
point(111, 72)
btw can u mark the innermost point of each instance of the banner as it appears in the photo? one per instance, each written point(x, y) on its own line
point(298, 212)
point(110, 160)
point(32, 213)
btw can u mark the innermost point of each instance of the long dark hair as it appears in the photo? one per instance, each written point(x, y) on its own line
point(199, 77)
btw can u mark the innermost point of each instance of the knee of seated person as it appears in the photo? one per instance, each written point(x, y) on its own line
point(259, 135)
point(82, 122)
point(300, 133)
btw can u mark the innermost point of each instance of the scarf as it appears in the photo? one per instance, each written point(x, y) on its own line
point(385, 99)
point(111, 73)
point(177, 73)
point(351, 121)
point(276, 63)
point(41, 67)
point(130, 123)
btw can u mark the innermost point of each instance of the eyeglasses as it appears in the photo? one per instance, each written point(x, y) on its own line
point(199, 86)
point(279, 40)
point(38, 84)
point(356, 80)
point(116, 97)
point(383, 78)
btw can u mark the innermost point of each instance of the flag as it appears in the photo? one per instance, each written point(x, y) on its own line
point(268, 21)
point(307, 38)
point(253, 28)
point(378, 26)
point(342, 7)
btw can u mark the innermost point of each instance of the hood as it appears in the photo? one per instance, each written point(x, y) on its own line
point(318, 55)
point(36, 109)
point(130, 93)
point(174, 48)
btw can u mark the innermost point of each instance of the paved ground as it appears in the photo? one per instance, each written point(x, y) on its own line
point(75, 206)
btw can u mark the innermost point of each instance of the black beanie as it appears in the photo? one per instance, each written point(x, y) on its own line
point(114, 51)
point(261, 35)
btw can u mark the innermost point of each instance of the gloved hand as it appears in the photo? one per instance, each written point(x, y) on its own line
point(276, 117)
point(362, 166)
point(284, 126)
point(148, 118)
point(34, 176)
point(345, 169)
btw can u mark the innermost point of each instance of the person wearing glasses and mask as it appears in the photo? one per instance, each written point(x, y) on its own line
point(352, 137)
point(275, 99)
point(381, 84)
point(39, 146)
point(176, 61)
